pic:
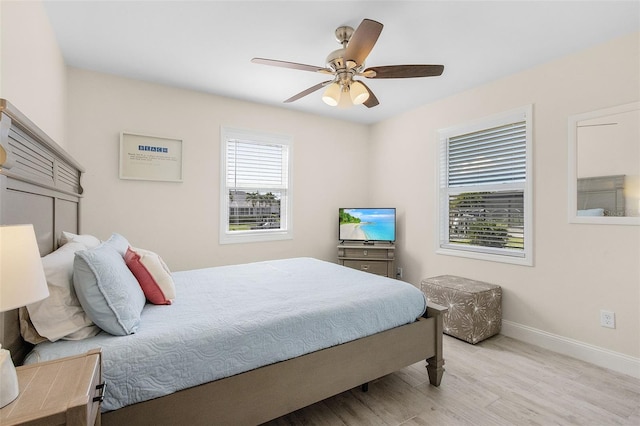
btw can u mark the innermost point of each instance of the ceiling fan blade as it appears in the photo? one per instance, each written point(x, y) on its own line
point(362, 41)
point(308, 91)
point(291, 65)
point(372, 101)
point(404, 71)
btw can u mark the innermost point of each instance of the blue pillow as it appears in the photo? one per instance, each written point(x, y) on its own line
point(119, 243)
point(591, 212)
point(107, 290)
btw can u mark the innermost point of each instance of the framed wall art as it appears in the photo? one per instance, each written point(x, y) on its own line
point(150, 158)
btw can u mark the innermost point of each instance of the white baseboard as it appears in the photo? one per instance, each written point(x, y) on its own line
point(583, 351)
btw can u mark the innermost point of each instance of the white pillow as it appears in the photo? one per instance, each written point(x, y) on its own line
point(107, 290)
point(60, 316)
point(27, 330)
point(88, 240)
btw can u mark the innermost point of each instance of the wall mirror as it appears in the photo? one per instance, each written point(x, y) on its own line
point(604, 166)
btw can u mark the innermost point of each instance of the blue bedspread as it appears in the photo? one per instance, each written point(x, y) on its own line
point(231, 319)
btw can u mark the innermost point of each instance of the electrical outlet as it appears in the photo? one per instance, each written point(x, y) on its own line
point(608, 319)
point(399, 273)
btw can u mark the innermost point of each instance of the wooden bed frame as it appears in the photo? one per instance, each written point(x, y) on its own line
point(40, 184)
point(605, 192)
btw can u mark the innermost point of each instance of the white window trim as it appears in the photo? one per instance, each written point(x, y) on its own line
point(486, 253)
point(286, 214)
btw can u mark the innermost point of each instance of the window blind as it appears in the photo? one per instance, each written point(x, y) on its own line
point(484, 187)
point(253, 165)
point(487, 219)
point(490, 156)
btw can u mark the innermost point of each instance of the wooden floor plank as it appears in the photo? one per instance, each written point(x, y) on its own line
point(500, 381)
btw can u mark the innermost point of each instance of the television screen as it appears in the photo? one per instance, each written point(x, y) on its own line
point(367, 224)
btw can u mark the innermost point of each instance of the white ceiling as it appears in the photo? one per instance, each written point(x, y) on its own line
point(207, 45)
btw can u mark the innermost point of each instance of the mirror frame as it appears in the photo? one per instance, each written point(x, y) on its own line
point(573, 168)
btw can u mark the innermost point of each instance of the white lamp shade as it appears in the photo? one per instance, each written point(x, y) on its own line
point(331, 96)
point(22, 279)
point(358, 92)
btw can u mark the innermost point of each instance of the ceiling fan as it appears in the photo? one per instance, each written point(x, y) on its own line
point(348, 62)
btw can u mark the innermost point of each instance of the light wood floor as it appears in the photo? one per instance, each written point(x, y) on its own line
point(500, 381)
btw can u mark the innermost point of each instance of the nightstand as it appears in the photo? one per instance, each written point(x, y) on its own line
point(65, 391)
point(376, 259)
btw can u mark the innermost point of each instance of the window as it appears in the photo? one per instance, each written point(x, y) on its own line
point(485, 189)
point(255, 196)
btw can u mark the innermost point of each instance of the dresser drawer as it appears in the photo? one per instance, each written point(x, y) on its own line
point(366, 253)
point(379, 268)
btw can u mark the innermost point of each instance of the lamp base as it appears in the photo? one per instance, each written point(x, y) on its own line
point(8, 379)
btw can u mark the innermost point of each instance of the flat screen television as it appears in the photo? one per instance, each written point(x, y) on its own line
point(367, 225)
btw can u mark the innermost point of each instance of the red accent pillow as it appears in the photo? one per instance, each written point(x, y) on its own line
point(152, 274)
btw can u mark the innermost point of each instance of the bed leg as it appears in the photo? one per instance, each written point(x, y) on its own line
point(435, 369)
point(364, 387)
point(435, 364)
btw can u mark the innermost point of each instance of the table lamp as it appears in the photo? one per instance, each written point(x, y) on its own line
point(22, 281)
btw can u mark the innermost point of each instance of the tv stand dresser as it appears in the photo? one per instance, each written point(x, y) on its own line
point(374, 258)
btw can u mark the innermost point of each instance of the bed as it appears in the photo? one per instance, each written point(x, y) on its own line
point(40, 184)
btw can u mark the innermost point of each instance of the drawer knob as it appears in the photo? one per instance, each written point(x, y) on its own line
point(365, 267)
point(102, 387)
point(365, 252)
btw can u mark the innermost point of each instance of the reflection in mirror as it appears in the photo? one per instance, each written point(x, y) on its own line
point(604, 166)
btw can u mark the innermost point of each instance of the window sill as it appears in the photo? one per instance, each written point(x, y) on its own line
point(254, 237)
point(501, 258)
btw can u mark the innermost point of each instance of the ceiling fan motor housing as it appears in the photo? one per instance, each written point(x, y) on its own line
point(335, 60)
point(343, 35)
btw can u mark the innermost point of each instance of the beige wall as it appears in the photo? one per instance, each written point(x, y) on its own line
point(579, 269)
point(32, 69)
point(180, 220)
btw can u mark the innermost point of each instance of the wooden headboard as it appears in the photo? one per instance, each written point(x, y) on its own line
point(605, 192)
point(39, 184)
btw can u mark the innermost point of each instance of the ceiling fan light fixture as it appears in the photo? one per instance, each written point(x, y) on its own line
point(359, 93)
point(345, 99)
point(331, 96)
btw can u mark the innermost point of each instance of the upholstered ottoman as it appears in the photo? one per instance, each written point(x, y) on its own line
point(475, 307)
